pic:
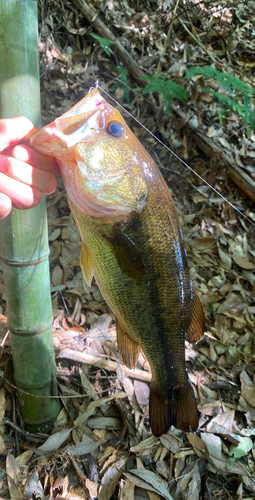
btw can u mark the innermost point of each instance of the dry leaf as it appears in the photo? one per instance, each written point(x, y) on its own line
point(225, 259)
point(24, 458)
point(33, 486)
point(247, 388)
point(198, 445)
point(213, 444)
point(127, 490)
point(152, 480)
point(105, 423)
point(142, 392)
point(222, 423)
point(92, 487)
point(53, 442)
point(87, 445)
point(57, 276)
point(146, 444)
point(242, 262)
point(13, 479)
point(153, 495)
point(110, 480)
point(171, 442)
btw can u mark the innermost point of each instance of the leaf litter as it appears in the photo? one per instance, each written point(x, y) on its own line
point(101, 444)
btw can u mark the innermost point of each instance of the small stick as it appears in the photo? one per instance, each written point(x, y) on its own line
point(198, 41)
point(167, 39)
point(107, 364)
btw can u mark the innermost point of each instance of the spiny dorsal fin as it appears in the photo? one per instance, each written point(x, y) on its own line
point(197, 322)
point(86, 264)
point(128, 348)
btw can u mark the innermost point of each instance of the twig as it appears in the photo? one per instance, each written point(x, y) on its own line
point(167, 39)
point(33, 437)
point(108, 364)
point(198, 41)
point(81, 475)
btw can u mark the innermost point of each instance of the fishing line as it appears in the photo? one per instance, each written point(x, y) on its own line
point(97, 86)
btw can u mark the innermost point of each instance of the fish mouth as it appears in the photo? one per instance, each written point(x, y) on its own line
point(60, 136)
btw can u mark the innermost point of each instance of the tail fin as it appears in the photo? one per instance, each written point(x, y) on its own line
point(178, 408)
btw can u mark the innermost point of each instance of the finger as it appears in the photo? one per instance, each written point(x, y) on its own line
point(12, 130)
point(43, 162)
point(43, 180)
point(5, 205)
point(21, 195)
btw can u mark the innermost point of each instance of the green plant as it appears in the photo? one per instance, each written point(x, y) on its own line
point(122, 77)
point(237, 97)
point(238, 451)
point(104, 42)
point(169, 90)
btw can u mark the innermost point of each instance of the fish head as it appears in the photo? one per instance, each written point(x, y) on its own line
point(103, 164)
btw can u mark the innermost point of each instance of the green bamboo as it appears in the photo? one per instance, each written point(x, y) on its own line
point(24, 246)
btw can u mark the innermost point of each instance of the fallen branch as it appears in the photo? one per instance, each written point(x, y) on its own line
point(209, 147)
point(118, 49)
point(107, 364)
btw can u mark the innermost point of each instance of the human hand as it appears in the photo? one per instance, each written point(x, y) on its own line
point(25, 175)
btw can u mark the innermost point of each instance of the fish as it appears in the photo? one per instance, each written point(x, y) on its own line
point(132, 244)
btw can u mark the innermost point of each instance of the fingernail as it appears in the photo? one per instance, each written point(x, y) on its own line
point(20, 153)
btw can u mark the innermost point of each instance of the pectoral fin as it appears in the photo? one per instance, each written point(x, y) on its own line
point(128, 348)
point(126, 254)
point(86, 264)
point(197, 322)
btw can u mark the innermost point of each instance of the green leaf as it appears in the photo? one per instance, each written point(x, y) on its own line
point(244, 446)
point(104, 42)
point(225, 79)
point(169, 90)
point(123, 77)
point(236, 90)
point(206, 72)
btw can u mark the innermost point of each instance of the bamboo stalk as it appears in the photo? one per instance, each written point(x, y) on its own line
point(24, 246)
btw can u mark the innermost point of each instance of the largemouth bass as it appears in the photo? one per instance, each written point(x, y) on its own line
point(132, 243)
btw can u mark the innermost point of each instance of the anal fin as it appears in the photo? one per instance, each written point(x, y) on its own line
point(128, 348)
point(86, 264)
point(178, 408)
point(197, 322)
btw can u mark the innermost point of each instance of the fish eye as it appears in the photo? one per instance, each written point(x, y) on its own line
point(115, 129)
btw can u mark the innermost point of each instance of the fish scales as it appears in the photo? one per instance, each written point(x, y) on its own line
point(136, 254)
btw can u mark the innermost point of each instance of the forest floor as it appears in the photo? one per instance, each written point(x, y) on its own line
point(101, 445)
